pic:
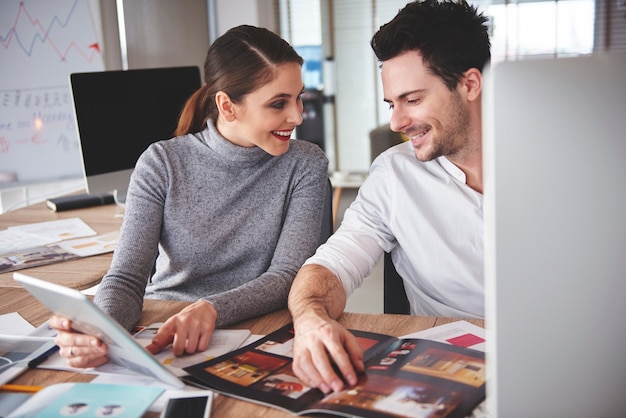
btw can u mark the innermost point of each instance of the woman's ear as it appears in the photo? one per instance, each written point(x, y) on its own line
point(225, 106)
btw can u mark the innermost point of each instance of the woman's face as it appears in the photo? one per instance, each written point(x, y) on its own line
point(266, 117)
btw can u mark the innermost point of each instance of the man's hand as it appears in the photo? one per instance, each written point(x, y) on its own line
point(79, 350)
point(188, 331)
point(325, 354)
point(319, 343)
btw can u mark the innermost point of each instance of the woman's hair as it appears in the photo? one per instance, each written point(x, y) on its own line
point(240, 61)
point(451, 37)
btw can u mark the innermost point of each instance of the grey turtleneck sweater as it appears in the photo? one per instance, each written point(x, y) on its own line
point(225, 223)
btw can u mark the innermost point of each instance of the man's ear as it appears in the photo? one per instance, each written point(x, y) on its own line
point(225, 106)
point(473, 84)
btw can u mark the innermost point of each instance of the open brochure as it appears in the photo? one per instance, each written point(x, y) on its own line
point(20, 343)
point(409, 377)
point(43, 243)
point(222, 341)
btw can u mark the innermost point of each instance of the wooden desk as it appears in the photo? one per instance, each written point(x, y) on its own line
point(82, 273)
point(18, 300)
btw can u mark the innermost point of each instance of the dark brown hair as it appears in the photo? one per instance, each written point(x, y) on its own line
point(237, 63)
point(451, 35)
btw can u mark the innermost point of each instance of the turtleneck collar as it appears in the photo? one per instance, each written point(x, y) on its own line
point(229, 151)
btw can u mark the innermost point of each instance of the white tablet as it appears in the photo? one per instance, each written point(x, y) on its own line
point(88, 318)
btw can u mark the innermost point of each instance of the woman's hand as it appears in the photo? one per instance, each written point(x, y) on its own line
point(188, 331)
point(79, 350)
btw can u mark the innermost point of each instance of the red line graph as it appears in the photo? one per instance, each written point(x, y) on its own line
point(42, 34)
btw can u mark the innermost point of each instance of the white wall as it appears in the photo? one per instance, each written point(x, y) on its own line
point(165, 33)
point(356, 73)
point(231, 13)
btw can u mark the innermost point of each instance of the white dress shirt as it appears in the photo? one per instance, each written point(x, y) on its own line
point(432, 223)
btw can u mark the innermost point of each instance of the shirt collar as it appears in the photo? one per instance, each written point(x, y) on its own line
point(452, 169)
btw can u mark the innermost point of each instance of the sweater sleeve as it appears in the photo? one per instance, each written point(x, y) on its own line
point(298, 240)
point(122, 289)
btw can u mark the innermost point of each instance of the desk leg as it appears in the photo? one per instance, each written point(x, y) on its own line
point(336, 200)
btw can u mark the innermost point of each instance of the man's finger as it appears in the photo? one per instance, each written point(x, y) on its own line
point(353, 362)
point(305, 369)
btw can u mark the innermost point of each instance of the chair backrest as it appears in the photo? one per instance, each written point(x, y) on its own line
point(382, 138)
point(394, 298)
point(394, 294)
point(327, 216)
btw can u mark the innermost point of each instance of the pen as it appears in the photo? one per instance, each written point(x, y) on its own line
point(21, 388)
point(43, 357)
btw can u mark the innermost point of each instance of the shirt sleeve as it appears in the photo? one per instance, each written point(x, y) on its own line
point(354, 249)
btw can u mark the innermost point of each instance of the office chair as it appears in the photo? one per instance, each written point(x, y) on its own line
point(382, 138)
point(327, 216)
point(394, 294)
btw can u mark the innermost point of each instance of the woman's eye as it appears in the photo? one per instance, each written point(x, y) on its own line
point(278, 105)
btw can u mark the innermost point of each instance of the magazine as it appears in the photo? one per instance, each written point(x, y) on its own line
point(408, 377)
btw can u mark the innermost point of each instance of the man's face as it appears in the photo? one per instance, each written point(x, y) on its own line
point(435, 119)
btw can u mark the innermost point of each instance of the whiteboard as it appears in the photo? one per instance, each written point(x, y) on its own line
point(41, 43)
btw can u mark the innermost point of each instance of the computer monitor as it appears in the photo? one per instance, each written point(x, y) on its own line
point(555, 238)
point(120, 113)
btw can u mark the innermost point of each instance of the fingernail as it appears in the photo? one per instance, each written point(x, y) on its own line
point(324, 388)
point(337, 386)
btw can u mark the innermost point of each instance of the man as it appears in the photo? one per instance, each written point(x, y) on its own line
point(422, 200)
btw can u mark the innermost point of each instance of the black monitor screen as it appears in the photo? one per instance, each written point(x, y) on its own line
point(120, 113)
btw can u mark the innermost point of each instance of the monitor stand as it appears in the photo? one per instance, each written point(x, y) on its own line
point(120, 196)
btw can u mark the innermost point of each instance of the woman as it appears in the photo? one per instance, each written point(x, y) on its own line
point(230, 208)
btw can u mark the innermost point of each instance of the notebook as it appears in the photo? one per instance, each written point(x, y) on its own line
point(88, 318)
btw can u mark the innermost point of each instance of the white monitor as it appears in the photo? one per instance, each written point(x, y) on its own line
point(555, 237)
point(120, 113)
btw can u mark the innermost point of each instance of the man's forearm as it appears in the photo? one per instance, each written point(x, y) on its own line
point(316, 289)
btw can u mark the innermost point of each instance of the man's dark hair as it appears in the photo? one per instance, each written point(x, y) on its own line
point(451, 37)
